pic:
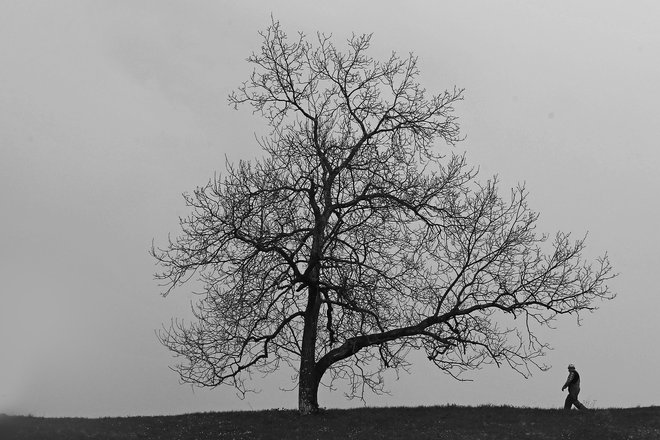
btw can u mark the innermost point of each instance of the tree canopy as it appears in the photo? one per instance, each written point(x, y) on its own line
point(357, 237)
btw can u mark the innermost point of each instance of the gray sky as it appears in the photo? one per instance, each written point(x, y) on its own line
point(109, 110)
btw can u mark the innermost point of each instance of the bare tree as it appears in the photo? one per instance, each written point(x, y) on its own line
point(353, 240)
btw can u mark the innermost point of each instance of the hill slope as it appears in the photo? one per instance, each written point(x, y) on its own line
point(447, 422)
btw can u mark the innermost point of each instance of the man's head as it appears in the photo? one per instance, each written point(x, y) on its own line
point(571, 367)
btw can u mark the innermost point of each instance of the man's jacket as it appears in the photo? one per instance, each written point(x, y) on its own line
point(573, 382)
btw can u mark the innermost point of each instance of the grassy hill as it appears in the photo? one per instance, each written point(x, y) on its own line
point(446, 422)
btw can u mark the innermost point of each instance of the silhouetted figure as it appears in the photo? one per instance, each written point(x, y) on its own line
point(573, 385)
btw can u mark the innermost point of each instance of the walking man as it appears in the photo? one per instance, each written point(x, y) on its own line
point(573, 385)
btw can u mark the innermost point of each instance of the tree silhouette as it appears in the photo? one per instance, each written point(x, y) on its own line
point(354, 240)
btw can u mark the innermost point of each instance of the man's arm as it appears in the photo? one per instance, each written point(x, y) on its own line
point(569, 380)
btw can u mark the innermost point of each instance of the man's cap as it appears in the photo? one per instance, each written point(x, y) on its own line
point(571, 367)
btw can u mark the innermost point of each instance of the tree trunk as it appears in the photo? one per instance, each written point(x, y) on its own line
point(308, 380)
point(308, 388)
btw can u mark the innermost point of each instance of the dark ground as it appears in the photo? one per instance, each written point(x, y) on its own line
point(448, 422)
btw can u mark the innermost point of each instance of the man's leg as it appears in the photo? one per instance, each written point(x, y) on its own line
point(568, 402)
point(573, 399)
point(577, 403)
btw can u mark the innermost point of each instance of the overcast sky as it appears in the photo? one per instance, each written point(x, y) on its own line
point(109, 110)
